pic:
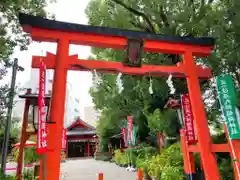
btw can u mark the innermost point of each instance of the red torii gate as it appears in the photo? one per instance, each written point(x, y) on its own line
point(65, 33)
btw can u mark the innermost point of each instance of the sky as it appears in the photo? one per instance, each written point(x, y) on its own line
point(67, 11)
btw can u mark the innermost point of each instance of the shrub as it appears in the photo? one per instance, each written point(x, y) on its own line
point(120, 157)
point(167, 165)
point(6, 177)
point(28, 175)
point(30, 155)
point(144, 154)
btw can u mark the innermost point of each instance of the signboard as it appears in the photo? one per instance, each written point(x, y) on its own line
point(42, 126)
point(228, 101)
point(64, 139)
point(188, 119)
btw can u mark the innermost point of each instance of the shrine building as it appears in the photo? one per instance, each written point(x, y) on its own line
point(81, 139)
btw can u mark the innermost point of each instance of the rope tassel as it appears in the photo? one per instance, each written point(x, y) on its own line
point(170, 84)
point(119, 83)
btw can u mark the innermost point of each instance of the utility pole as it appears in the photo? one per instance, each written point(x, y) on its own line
point(15, 68)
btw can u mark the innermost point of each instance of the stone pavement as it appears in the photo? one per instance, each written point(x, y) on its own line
point(87, 169)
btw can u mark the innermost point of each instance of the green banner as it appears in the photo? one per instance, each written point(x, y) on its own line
point(134, 136)
point(228, 101)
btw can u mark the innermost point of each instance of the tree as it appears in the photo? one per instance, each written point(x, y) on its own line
point(177, 17)
point(12, 36)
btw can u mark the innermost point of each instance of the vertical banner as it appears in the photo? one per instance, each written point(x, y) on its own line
point(228, 102)
point(130, 129)
point(188, 119)
point(42, 126)
point(134, 135)
point(64, 139)
point(124, 131)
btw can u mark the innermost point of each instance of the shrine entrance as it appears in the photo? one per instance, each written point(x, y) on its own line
point(134, 43)
point(81, 139)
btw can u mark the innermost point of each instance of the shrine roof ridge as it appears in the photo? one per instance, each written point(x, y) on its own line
point(40, 22)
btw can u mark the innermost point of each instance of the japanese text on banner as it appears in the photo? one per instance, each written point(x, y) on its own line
point(42, 126)
point(130, 128)
point(227, 98)
point(188, 119)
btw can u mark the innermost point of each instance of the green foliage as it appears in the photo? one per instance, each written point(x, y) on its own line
point(160, 165)
point(120, 157)
point(28, 175)
point(30, 155)
point(6, 177)
point(226, 170)
point(219, 19)
point(161, 121)
point(12, 37)
point(144, 154)
point(103, 144)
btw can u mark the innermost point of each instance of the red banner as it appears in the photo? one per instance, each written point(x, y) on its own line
point(124, 131)
point(130, 128)
point(64, 140)
point(42, 126)
point(188, 119)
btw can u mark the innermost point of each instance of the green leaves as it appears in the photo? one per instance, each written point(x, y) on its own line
point(177, 17)
point(167, 165)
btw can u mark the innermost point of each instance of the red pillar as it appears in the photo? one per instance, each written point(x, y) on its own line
point(23, 139)
point(188, 158)
point(88, 149)
point(140, 174)
point(57, 111)
point(207, 156)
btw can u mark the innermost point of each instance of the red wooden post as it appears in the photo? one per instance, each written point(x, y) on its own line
point(23, 139)
point(57, 111)
point(88, 149)
point(100, 176)
point(188, 158)
point(207, 156)
point(140, 174)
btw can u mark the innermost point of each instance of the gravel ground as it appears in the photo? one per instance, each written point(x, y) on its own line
point(87, 169)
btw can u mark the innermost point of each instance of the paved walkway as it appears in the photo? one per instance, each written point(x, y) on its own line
point(87, 169)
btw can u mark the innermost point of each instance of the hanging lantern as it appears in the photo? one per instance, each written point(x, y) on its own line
point(33, 98)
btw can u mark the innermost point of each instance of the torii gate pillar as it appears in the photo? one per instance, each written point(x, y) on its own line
point(208, 158)
point(57, 111)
